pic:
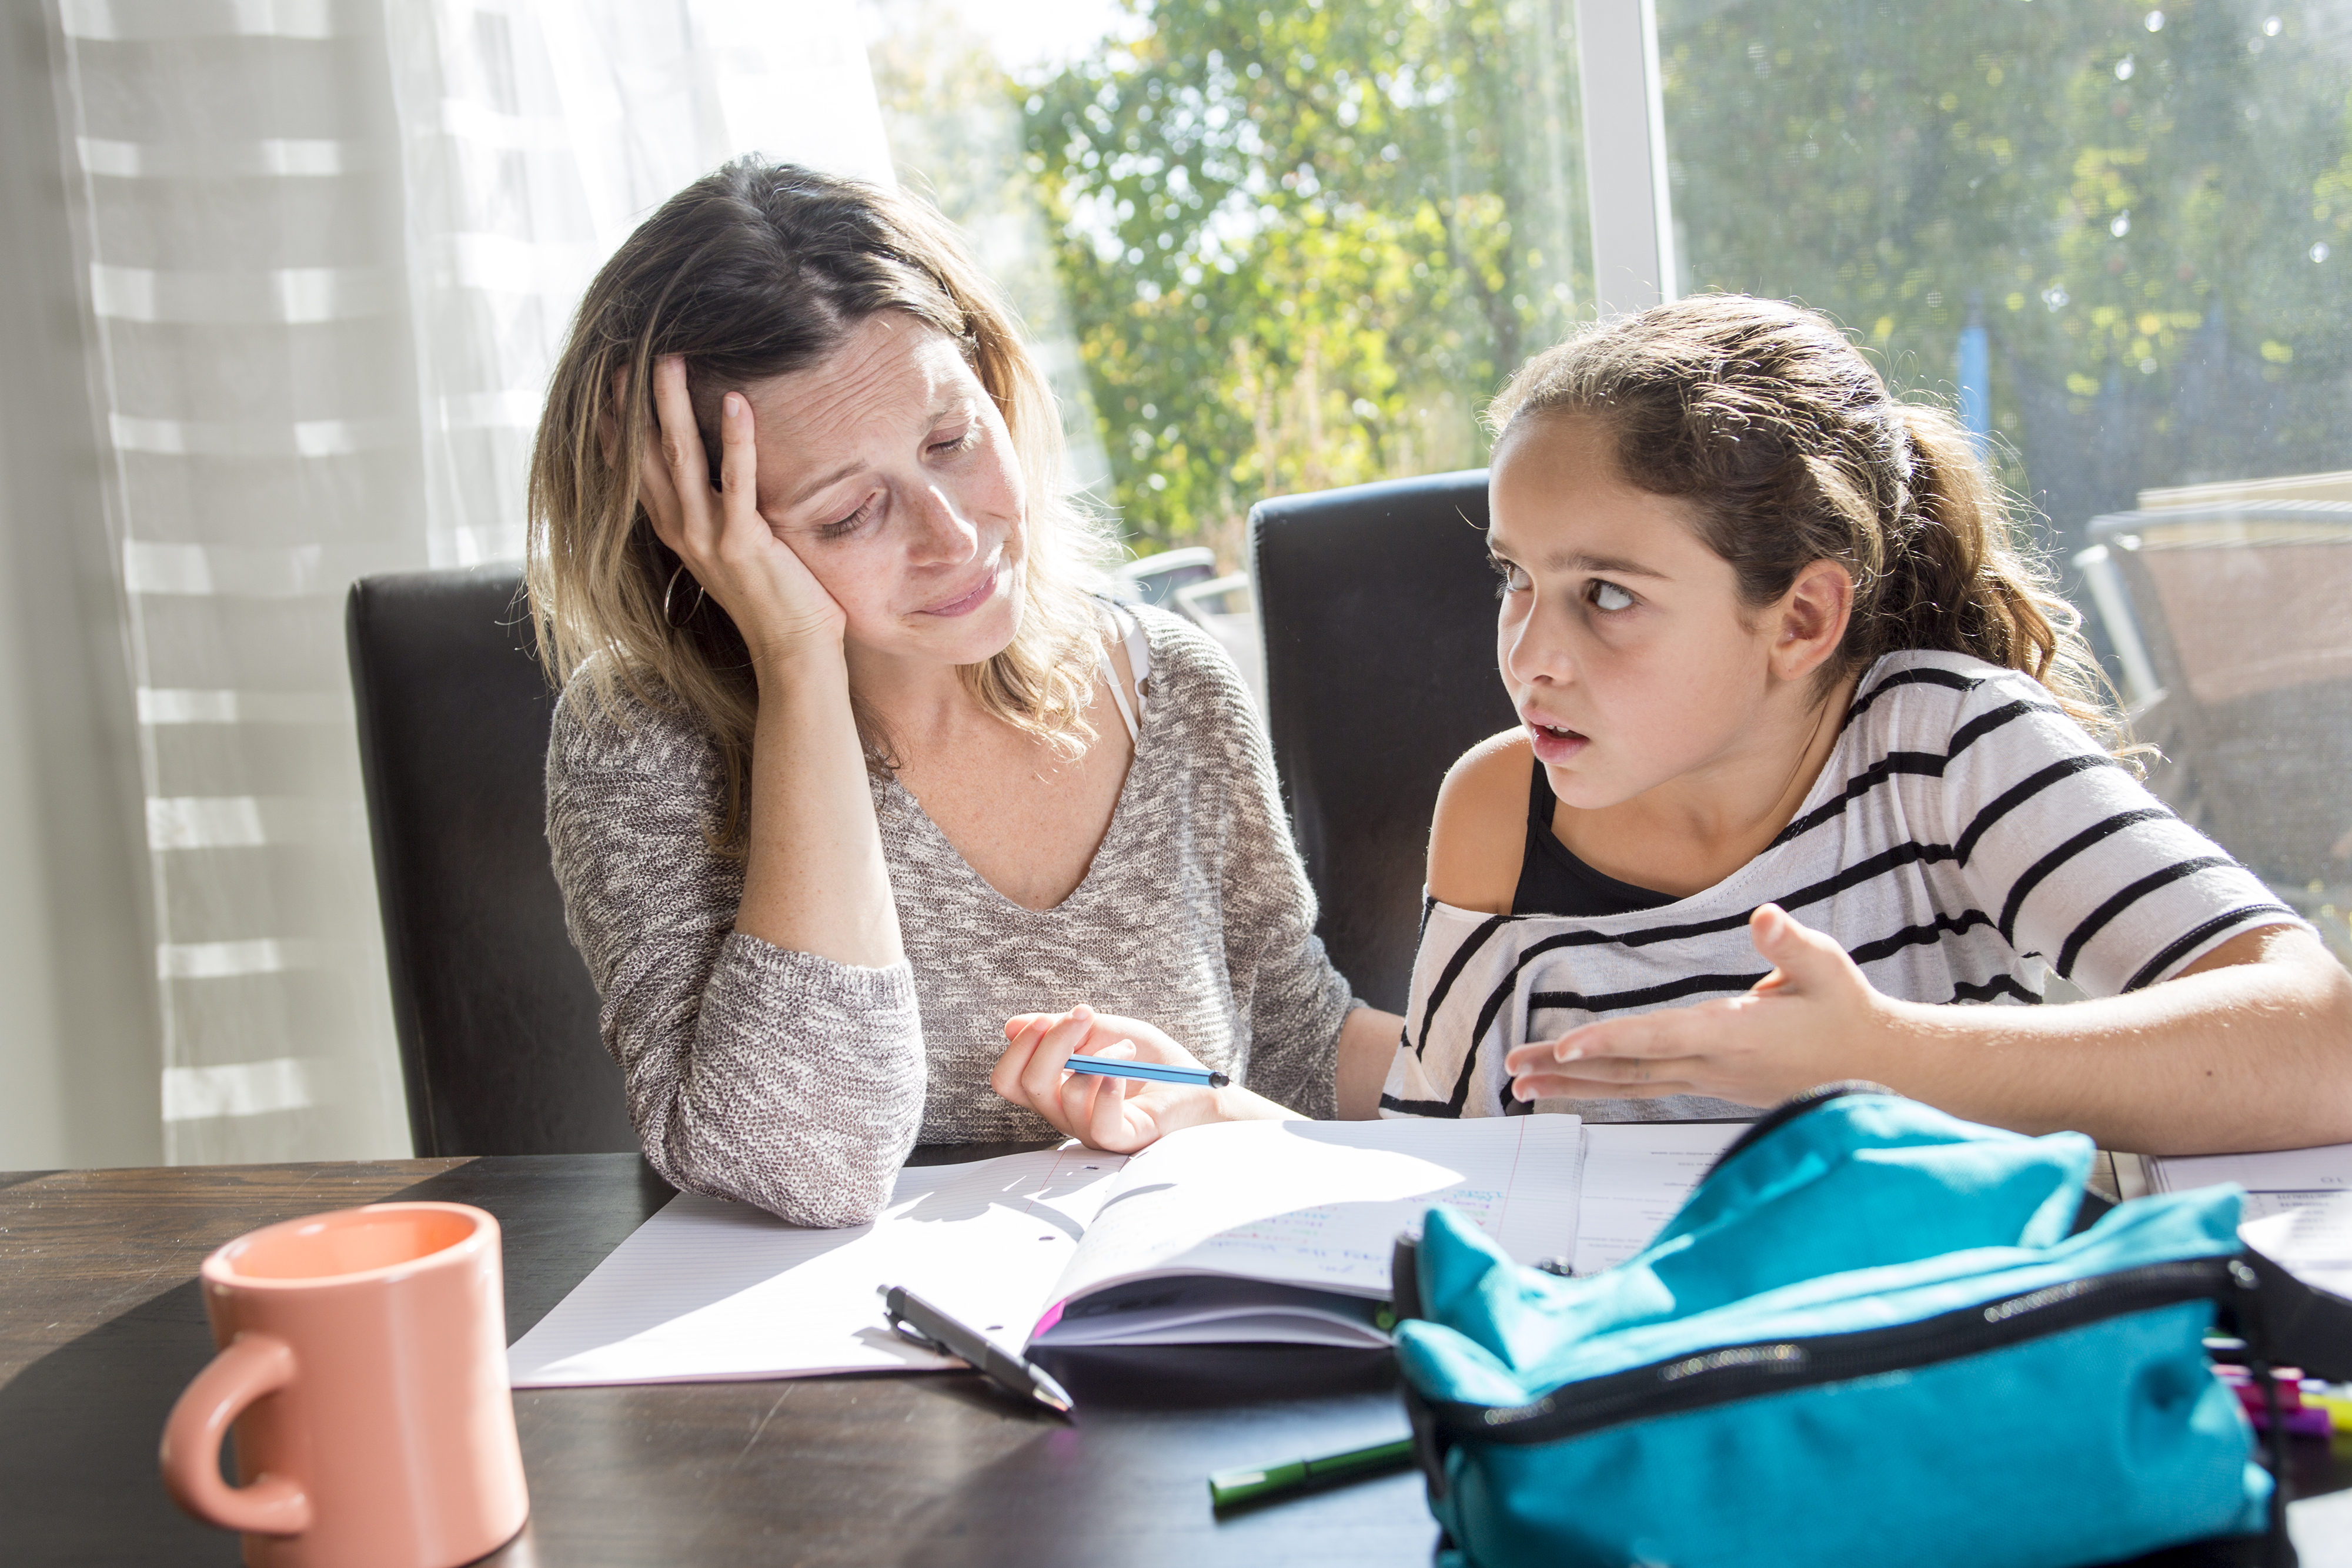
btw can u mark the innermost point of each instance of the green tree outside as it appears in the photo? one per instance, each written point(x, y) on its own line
point(2130, 198)
point(1299, 246)
point(1302, 244)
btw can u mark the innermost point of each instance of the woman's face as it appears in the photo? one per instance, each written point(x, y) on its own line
point(889, 472)
point(1622, 639)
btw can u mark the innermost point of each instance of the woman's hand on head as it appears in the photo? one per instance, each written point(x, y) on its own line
point(775, 602)
point(1118, 1114)
point(1813, 1019)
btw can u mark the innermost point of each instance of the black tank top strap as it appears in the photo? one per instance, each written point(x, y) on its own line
point(1553, 881)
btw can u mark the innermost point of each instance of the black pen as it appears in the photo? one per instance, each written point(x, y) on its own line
point(916, 1319)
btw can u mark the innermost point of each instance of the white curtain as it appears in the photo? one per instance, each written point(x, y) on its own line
point(329, 248)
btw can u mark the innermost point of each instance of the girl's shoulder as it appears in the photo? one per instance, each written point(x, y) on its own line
point(1478, 836)
point(1925, 699)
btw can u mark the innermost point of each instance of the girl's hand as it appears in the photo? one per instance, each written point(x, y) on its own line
point(775, 602)
point(1813, 1020)
point(1118, 1114)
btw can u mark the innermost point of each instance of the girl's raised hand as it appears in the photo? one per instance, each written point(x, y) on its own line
point(1813, 1019)
point(1118, 1114)
point(775, 602)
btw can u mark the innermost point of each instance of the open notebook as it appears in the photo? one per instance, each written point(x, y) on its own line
point(1254, 1232)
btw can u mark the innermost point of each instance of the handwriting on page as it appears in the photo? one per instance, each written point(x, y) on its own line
point(1636, 1175)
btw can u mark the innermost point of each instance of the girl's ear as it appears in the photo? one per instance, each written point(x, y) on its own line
point(1812, 619)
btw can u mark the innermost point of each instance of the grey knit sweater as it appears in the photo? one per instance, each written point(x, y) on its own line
point(797, 1084)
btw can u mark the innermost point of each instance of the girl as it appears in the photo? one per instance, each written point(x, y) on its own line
point(1807, 758)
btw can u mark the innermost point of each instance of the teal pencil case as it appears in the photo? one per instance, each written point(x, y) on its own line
point(1872, 1332)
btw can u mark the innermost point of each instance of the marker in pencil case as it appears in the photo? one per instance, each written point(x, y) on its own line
point(1152, 1071)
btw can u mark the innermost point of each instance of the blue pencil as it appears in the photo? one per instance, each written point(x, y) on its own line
point(1155, 1072)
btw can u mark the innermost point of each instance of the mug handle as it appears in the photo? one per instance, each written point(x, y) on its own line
point(254, 1365)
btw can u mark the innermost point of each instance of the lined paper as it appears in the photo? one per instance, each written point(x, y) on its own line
point(1636, 1175)
point(2311, 1237)
point(2327, 1168)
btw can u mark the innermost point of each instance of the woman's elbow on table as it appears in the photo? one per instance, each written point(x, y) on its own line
point(823, 1176)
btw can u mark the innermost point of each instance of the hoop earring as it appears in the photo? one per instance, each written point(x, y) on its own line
point(671, 588)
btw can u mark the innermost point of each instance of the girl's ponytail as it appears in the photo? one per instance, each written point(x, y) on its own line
point(1957, 580)
point(1788, 450)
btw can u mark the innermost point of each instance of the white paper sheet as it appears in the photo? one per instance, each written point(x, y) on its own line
point(2307, 1233)
point(1636, 1175)
point(2328, 1167)
point(707, 1290)
point(2321, 1529)
point(1319, 1204)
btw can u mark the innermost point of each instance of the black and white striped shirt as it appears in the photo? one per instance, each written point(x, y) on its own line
point(1964, 839)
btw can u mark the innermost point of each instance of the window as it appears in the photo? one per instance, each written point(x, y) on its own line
point(1290, 246)
point(1296, 247)
point(2115, 236)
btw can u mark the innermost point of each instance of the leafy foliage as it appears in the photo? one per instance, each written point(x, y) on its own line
point(2130, 197)
point(1303, 244)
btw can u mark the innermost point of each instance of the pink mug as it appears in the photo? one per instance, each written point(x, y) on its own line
point(362, 1359)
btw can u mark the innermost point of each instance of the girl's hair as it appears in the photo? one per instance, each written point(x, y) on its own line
point(758, 270)
point(1789, 449)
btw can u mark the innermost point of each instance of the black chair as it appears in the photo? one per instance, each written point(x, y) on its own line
point(497, 1019)
point(1377, 612)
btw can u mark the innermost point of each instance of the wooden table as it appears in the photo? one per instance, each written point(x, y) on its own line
point(101, 1327)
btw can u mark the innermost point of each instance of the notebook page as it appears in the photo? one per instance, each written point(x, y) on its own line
point(2311, 1237)
point(1636, 1175)
point(709, 1290)
point(2327, 1168)
point(1319, 1204)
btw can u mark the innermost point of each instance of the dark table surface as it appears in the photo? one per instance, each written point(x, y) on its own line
point(101, 1327)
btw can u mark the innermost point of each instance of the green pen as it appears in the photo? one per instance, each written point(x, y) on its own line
point(1230, 1488)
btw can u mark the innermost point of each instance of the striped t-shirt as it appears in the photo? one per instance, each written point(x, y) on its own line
point(1964, 838)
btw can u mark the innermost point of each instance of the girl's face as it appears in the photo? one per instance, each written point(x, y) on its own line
point(888, 470)
point(1622, 639)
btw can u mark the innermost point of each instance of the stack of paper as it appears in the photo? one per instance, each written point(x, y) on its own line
point(1252, 1231)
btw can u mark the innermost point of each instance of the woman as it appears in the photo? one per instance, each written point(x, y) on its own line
point(849, 766)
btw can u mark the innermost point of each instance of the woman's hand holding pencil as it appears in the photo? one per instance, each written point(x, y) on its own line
point(1114, 1083)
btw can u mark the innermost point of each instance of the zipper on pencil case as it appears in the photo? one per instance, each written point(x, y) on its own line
point(1731, 1372)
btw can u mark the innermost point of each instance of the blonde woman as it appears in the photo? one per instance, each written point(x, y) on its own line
point(851, 767)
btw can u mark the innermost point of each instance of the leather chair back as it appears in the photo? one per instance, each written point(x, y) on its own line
point(496, 1018)
point(1378, 610)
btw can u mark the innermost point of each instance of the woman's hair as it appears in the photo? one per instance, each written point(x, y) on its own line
point(1789, 449)
point(758, 270)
